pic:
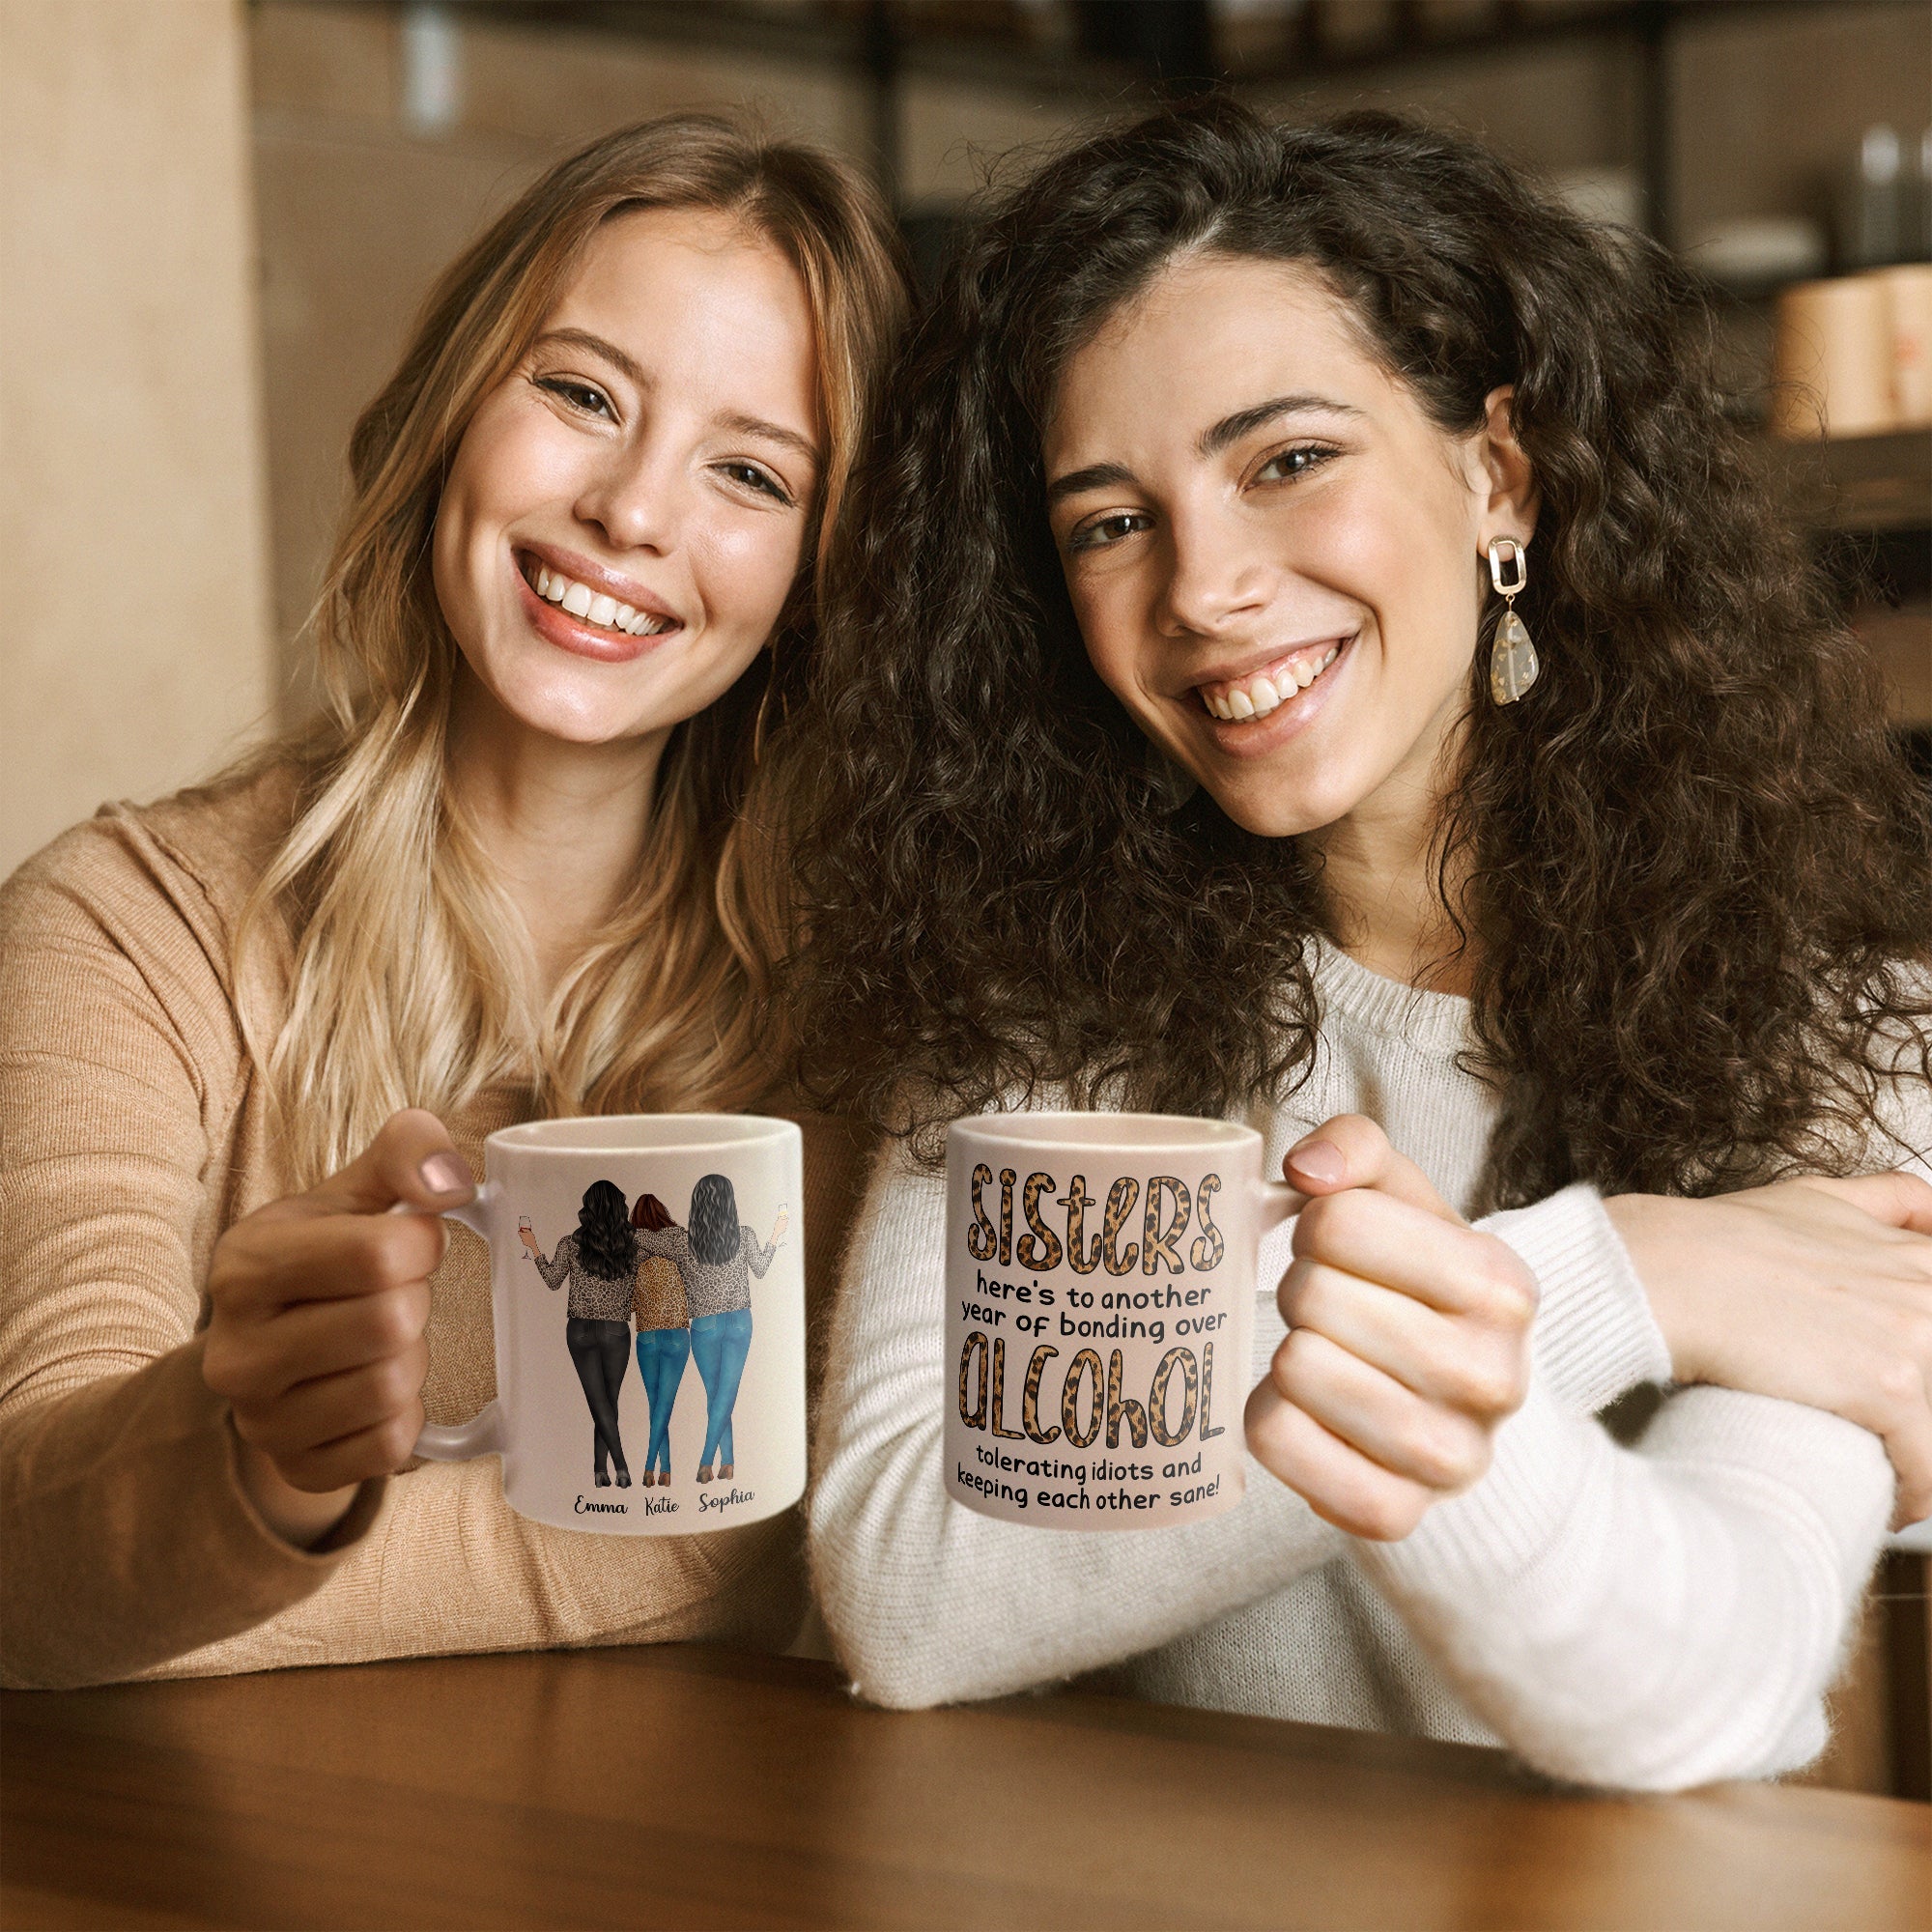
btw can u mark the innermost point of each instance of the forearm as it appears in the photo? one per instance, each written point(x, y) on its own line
point(1657, 1619)
point(130, 1537)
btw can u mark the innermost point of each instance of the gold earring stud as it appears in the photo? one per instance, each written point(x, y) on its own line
point(1513, 661)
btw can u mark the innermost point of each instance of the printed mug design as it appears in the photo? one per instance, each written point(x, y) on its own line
point(689, 1291)
point(1100, 1285)
point(1174, 1409)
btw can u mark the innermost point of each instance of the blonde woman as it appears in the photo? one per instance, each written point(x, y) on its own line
point(516, 871)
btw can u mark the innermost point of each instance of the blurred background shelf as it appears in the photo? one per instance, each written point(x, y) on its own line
point(1861, 484)
point(1869, 500)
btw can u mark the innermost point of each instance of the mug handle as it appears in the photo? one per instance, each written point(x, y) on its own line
point(1280, 1203)
point(483, 1433)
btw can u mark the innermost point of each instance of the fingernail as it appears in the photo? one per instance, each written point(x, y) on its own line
point(445, 1174)
point(1319, 1161)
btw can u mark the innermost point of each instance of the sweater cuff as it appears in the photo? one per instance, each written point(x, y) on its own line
point(1595, 1337)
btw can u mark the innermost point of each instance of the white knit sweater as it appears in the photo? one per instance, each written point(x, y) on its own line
point(1651, 1618)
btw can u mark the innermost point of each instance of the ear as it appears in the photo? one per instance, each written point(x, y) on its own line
point(1502, 476)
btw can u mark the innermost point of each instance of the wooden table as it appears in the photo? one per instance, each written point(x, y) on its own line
point(693, 1787)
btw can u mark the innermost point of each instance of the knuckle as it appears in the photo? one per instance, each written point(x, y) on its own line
point(1289, 1369)
point(1504, 1291)
point(397, 1380)
point(1313, 1226)
point(1382, 1513)
point(1912, 1333)
point(222, 1367)
point(1900, 1382)
point(393, 1323)
point(395, 1438)
point(1492, 1384)
point(389, 1254)
point(1437, 1452)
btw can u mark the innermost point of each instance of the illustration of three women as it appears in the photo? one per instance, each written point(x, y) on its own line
point(690, 1292)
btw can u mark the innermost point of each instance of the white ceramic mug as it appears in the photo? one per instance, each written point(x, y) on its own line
point(1100, 1298)
point(723, 1411)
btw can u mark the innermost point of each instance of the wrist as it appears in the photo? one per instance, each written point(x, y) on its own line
point(1651, 1229)
point(303, 1517)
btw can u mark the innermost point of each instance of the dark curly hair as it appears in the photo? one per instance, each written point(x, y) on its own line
point(1697, 868)
point(605, 1243)
point(715, 1232)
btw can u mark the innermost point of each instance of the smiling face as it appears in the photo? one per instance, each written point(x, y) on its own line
point(1277, 569)
point(627, 511)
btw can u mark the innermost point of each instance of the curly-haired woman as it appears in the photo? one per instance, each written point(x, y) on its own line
point(599, 1262)
point(1177, 750)
point(516, 869)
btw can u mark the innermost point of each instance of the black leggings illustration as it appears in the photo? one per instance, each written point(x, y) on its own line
point(599, 1260)
point(601, 1351)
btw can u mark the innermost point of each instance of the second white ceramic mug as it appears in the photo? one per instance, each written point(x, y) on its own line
point(581, 1394)
point(1100, 1297)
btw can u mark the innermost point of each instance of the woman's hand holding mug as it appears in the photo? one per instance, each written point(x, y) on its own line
point(318, 1304)
point(1407, 1345)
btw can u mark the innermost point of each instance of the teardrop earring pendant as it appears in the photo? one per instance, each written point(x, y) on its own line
point(1513, 666)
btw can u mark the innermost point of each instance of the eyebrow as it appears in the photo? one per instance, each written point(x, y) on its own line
point(1258, 415)
point(1212, 442)
point(633, 372)
point(1095, 476)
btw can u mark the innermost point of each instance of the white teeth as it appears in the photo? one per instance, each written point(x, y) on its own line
point(1262, 693)
point(595, 608)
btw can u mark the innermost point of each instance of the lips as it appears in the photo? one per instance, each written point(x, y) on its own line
point(1257, 692)
point(592, 604)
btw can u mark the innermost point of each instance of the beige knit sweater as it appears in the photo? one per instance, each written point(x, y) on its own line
point(134, 1130)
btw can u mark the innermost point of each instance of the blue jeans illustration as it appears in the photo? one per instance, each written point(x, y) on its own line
point(718, 1344)
point(662, 1354)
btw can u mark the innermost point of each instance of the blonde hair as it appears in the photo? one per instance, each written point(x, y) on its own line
point(412, 978)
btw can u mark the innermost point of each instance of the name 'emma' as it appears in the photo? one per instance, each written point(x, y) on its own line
point(1166, 1214)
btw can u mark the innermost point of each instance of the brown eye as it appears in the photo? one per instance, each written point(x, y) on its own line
point(752, 477)
point(578, 395)
point(1289, 463)
point(1105, 531)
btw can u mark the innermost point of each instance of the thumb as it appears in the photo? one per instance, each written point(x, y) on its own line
point(412, 1160)
point(1351, 1151)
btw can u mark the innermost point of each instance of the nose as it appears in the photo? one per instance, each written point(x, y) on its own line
point(637, 499)
point(1216, 575)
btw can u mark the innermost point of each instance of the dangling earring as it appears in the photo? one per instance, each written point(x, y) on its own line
point(1513, 661)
